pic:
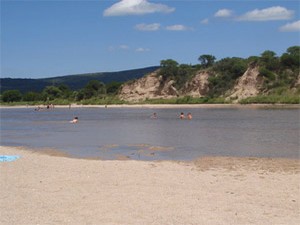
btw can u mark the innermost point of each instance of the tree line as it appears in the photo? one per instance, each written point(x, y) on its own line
point(93, 89)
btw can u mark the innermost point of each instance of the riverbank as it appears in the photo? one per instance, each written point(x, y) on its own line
point(296, 106)
point(50, 189)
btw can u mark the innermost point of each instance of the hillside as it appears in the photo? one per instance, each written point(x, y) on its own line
point(250, 84)
point(75, 82)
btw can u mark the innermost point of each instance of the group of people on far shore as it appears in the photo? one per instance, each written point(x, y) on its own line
point(49, 106)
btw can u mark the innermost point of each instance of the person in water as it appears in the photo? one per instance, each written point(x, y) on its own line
point(182, 116)
point(154, 116)
point(189, 116)
point(75, 120)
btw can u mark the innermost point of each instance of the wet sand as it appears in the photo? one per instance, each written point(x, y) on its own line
point(54, 189)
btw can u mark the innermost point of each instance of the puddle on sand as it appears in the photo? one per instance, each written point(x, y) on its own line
point(133, 151)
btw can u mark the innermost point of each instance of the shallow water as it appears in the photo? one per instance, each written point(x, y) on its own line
point(111, 133)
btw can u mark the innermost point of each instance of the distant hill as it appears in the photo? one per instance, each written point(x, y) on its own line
point(75, 82)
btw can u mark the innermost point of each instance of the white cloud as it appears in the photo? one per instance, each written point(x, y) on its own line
point(223, 13)
point(272, 13)
point(120, 47)
point(142, 50)
point(124, 47)
point(204, 21)
point(148, 27)
point(136, 7)
point(157, 26)
point(290, 27)
point(177, 27)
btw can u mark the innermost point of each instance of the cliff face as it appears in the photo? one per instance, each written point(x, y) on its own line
point(152, 86)
point(198, 86)
point(148, 87)
point(248, 85)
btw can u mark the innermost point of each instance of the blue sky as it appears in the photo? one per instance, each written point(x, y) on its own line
point(55, 38)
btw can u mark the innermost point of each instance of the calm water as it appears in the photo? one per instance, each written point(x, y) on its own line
point(126, 132)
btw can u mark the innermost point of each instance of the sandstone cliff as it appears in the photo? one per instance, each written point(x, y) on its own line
point(248, 85)
point(153, 86)
point(148, 87)
point(198, 86)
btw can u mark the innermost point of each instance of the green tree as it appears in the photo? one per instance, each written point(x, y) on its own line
point(94, 88)
point(113, 87)
point(79, 95)
point(11, 96)
point(168, 68)
point(267, 74)
point(65, 90)
point(253, 60)
point(184, 72)
point(269, 60)
point(291, 59)
point(226, 70)
point(51, 93)
point(31, 96)
point(206, 60)
point(231, 67)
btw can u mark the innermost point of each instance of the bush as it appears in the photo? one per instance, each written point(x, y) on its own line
point(272, 99)
point(11, 96)
point(267, 73)
point(32, 96)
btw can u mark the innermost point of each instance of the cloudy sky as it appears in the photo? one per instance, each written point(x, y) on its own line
point(54, 38)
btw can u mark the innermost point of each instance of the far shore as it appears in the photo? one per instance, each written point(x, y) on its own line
point(163, 106)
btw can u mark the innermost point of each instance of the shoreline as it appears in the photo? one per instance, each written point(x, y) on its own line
point(44, 189)
point(165, 106)
point(58, 153)
point(208, 162)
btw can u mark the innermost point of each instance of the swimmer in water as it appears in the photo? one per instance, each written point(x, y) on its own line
point(182, 116)
point(75, 120)
point(154, 116)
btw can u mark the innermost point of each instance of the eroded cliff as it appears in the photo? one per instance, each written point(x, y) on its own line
point(248, 85)
point(153, 86)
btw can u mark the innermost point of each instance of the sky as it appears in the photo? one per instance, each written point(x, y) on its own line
point(42, 38)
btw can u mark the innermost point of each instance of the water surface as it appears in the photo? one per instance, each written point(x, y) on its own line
point(111, 133)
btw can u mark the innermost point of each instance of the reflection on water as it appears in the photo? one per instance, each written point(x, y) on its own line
point(128, 133)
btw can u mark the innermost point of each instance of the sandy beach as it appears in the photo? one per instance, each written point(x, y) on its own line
point(54, 189)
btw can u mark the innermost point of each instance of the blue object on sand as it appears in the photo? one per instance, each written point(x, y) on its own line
point(8, 158)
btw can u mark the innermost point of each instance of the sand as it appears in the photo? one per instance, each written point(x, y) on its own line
point(50, 189)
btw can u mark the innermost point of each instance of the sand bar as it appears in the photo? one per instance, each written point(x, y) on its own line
point(48, 189)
